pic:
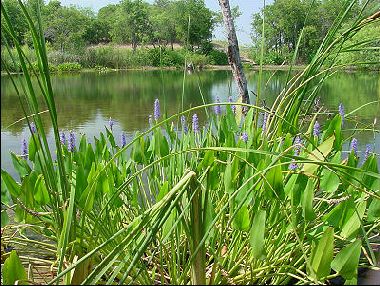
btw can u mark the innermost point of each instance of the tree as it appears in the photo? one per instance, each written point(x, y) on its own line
point(17, 20)
point(131, 23)
point(65, 26)
point(233, 51)
point(200, 18)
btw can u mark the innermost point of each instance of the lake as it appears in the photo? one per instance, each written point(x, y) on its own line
point(85, 101)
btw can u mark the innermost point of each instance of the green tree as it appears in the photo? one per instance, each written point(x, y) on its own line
point(17, 19)
point(201, 22)
point(131, 23)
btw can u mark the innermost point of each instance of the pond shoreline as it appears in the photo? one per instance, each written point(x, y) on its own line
point(205, 68)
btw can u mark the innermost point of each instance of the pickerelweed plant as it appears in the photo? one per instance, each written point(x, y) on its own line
point(231, 202)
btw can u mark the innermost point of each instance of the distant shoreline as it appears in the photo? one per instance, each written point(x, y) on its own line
point(205, 68)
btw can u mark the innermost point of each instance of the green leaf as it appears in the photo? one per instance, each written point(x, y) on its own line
point(374, 210)
point(351, 227)
point(330, 181)
point(334, 129)
point(274, 182)
point(346, 261)
point(318, 154)
point(41, 194)
point(307, 201)
point(13, 270)
point(256, 234)
point(20, 165)
point(241, 220)
point(322, 254)
point(13, 187)
point(228, 178)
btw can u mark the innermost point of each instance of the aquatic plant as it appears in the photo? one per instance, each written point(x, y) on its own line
point(195, 123)
point(184, 124)
point(317, 129)
point(123, 140)
point(354, 146)
point(186, 208)
point(217, 108)
point(62, 138)
point(24, 149)
point(111, 123)
point(156, 110)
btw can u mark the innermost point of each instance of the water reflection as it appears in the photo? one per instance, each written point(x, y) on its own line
point(85, 101)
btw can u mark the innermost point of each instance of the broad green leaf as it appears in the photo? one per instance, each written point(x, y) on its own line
point(256, 234)
point(20, 165)
point(334, 129)
point(346, 261)
point(274, 182)
point(13, 270)
point(351, 227)
point(322, 254)
point(13, 187)
point(241, 220)
point(163, 191)
point(330, 181)
point(307, 201)
point(213, 178)
point(41, 194)
point(318, 154)
point(373, 210)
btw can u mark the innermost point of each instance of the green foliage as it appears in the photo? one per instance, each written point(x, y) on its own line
point(69, 67)
point(170, 205)
point(13, 271)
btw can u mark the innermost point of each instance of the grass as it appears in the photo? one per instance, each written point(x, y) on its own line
point(234, 201)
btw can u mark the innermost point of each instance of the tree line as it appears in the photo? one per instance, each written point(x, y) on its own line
point(134, 22)
point(285, 19)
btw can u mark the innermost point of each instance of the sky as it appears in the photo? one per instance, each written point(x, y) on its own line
point(247, 8)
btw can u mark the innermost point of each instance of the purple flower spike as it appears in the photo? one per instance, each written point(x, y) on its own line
point(244, 137)
point(111, 123)
point(341, 111)
point(156, 110)
point(33, 127)
point(293, 165)
point(317, 129)
point(123, 139)
point(367, 152)
point(72, 140)
point(62, 138)
point(217, 108)
point(24, 149)
point(354, 146)
point(265, 121)
point(184, 125)
point(195, 124)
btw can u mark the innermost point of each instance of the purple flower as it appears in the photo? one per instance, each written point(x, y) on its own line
point(265, 121)
point(123, 139)
point(354, 146)
point(24, 149)
point(111, 123)
point(184, 125)
point(341, 111)
point(33, 127)
point(317, 129)
point(293, 165)
point(233, 107)
point(71, 146)
point(217, 108)
point(367, 152)
point(244, 137)
point(195, 124)
point(156, 110)
point(297, 150)
point(62, 138)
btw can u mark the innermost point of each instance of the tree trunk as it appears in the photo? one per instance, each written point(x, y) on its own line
point(233, 51)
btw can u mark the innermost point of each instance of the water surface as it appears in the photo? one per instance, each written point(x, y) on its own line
point(85, 101)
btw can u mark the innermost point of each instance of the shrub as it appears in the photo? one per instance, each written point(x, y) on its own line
point(69, 67)
point(218, 57)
